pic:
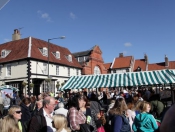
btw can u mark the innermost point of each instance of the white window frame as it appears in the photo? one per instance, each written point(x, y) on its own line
point(97, 70)
point(68, 70)
point(0, 70)
point(69, 58)
point(57, 69)
point(57, 54)
point(77, 72)
point(8, 73)
point(45, 68)
point(3, 53)
point(45, 51)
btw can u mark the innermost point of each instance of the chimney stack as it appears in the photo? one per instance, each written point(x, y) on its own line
point(146, 58)
point(120, 54)
point(166, 61)
point(16, 35)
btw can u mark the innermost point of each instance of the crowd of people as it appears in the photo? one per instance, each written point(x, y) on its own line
point(93, 111)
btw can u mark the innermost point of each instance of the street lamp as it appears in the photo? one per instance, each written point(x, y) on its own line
point(61, 37)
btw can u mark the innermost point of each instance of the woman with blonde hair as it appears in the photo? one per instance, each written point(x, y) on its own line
point(15, 112)
point(118, 116)
point(60, 123)
point(144, 122)
point(9, 124)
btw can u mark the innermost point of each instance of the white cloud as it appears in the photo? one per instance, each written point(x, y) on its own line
point(127, 44)
point(72, 15)
point(7, 40)
point(44, 16)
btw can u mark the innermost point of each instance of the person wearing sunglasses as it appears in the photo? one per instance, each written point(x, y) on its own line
point(15, 112)
point(9, 124)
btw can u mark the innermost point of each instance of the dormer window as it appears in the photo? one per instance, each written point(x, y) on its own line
point(45, 51)
point(4, 53)
point(69, 58)
point(57, 54)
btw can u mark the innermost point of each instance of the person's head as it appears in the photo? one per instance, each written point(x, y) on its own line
point(120, 107)
point(59, 122)
point(61, 105)
point(9, 124)
point(39, 104)
point(15, 111)
point(26, 101)
point(33, 99)
point(40, 96)
point(49, 104)
point(130, 104)
point(144, 106)
point(82, 100)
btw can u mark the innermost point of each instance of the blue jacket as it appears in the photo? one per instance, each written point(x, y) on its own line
point(144, 122)
point(120, 124)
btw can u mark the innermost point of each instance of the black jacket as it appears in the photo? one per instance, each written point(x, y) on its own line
point(38, 123)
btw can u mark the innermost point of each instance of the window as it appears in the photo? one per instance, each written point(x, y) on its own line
point(69, 58)
point(45, 68)
point(57, 70)
point(114, 71)
point(57, 54)
point(80, 59)
point(0, 70)
point(45, 51)
point(68, 71)
point(3, 53)
point(8, 70)
point(77, 71)
point(97, 70)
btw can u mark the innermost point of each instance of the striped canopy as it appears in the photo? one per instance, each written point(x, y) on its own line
point(8, 87)
point(121, 79)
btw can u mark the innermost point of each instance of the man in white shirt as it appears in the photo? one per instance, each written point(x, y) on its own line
point(61, 109)
point(43, 121)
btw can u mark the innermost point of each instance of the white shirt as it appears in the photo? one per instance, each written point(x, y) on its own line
point(49, 122)
point(61, 111)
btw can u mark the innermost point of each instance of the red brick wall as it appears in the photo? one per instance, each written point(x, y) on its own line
point(95, 60)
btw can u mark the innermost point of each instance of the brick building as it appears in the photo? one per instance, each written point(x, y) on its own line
point(91, 61)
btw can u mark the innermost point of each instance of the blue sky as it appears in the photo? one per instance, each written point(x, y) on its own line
point(134, 27)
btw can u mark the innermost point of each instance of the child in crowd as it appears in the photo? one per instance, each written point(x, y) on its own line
point(60, 123)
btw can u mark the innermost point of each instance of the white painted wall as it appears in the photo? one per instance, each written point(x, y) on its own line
point(37, 67)
point(18, 70)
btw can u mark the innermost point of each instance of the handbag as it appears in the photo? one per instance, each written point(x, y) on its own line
point(101, 129)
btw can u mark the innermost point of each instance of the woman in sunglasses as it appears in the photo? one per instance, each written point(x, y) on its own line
point(15, 112)
point(9, 124)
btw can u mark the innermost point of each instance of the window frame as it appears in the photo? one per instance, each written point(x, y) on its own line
point(8, 73)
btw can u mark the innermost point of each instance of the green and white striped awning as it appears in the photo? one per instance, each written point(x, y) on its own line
point(121, 79)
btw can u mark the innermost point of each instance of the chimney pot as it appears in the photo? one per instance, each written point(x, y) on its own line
point(120, 54)
point(166, 61)
point(16, 35)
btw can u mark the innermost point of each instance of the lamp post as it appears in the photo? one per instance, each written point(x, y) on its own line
point(62, 37)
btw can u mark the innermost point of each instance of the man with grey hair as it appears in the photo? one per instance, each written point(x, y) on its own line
point(61, 109)
point(43, 121)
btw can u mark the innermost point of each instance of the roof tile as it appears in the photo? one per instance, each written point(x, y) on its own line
point(122, 62)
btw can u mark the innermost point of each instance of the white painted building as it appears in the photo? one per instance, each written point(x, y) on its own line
point(26, 61)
